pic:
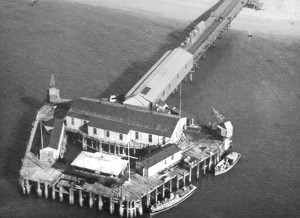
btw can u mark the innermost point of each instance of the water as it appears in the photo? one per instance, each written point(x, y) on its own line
point(94, 51)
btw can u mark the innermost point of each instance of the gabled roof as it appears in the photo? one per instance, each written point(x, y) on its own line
point(122, 118)
point(160, 155)
point(56, 133)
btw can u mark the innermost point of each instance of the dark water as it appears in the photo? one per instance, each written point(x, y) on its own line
point(93, 51)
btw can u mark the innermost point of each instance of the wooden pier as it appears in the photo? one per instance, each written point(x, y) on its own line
point(130, 195)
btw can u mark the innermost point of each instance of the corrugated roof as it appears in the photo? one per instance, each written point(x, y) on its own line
point(56, 133)
point(161, 74)
point(104, 163)
point(114, 116)
point(160, 155)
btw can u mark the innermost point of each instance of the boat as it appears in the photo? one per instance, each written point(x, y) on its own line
point(175, 199)
point(227, 163)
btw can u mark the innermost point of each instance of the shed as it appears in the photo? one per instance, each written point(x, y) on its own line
point(100, 163)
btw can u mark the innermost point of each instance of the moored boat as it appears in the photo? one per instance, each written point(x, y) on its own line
point(227, 163)
point(175, 199)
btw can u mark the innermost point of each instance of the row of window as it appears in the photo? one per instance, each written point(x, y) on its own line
point(107, 133)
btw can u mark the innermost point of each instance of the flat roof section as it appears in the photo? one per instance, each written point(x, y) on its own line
point(103, 163)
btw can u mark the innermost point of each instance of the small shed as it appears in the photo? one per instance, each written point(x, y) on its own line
point(159, 160)
point(51, 152)
point(99, 163)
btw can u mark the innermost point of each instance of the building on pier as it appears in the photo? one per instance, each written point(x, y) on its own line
point(159, 161)
point(121, 125)
point(100, 164)
point(51, 151)
point(161, 80)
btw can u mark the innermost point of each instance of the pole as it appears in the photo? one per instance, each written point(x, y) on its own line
point(128, 164)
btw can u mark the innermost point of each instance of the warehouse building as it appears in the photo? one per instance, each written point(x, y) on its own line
point(161, 80)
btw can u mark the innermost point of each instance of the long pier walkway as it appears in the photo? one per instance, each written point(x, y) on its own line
point(215, 25)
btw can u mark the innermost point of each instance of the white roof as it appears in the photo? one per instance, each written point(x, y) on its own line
point(137, 100)
point(103, 163)
point(161, 74)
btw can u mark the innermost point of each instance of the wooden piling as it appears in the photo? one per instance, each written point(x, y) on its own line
point(190, 176)
point(148, 200)
point(100, 202)
point(121, 209)
point(80, 198)
point(198, 170)
point(183, 179)
point(46, 190)
point(61, 196)
point(71, 195)
point(111, 205)
point(53, 192)
point(91, 200)
point(38, 189)
point(141, 207)
point(177, 182)
point(162, 192)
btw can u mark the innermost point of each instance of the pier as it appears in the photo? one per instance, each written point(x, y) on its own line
point(123, 132)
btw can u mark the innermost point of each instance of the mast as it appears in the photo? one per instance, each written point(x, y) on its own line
point(128, 163)
point(42, 140)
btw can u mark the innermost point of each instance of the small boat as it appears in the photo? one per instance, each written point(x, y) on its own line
point(175, 199)
point(227, 163)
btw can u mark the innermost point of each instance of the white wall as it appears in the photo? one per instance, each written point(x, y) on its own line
point(77, 123)
point(113, 136)
point(160, 166)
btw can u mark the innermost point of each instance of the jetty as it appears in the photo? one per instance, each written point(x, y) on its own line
point(126, 156)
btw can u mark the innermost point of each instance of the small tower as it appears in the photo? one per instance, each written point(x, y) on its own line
point(53, 95)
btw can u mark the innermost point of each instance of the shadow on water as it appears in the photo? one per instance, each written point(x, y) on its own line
point(137, 69)
point(20, 135)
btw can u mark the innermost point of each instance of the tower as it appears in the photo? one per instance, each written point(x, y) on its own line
point(53, 95)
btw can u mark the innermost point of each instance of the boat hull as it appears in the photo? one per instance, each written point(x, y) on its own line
point(218, 169)
point(181, 199)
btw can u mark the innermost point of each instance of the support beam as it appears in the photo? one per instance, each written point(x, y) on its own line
point(28, 186)
point(80, 198)
point(46, 190)
point(141, 208)
point(121, 208)
point(53, 192)
point(183, 179)
point(162, 192)
point(38, 189)
point(191, 77)
point(190, 176)
point(128, 208)
point(71, 195)
point(91, 199)
point(111, 206)
point(100, 202)
point(204, 166)
point(198, 170)
point(22, 183)
point(148, 199)
point(155, 197)
point(61, 195)
point(177, 182)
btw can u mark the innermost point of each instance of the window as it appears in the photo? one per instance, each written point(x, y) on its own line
point(164, 93)
point(164, 140)
point(72, 121)
point(107, 133)
point(84, 122)
point(172, 157)
point(150, 138)
point(95, 131)
point(121, 136)
point(177, 76)
point(165, 161)
point(136, 135)
point(169, 85)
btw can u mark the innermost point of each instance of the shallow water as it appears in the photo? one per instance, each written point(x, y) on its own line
point(254, 82)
